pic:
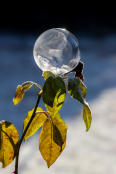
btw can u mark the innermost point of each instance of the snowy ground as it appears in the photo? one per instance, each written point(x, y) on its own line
point(92, 152)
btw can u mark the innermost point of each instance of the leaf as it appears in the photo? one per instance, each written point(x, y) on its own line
point(87, 116)
point(46, 74)
point(21, 90)
point(37, 122)
point(54, 92)
point(20, 93)
point(82, 87)
point(57, 136)
point(49, 149)
point(77, 89)
point(9, 139)
point(30, 82)
point(59, 130)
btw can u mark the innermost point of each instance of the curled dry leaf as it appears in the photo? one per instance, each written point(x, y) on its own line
point(21, 90)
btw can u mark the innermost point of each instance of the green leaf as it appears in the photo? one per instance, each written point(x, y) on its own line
point(21, 90)
point(87, 116)
point(49, 148)
point(54, 92)
point(46, 74)
point(9, 139)
point(77, 89)
point(82, 87)
point(38, 121)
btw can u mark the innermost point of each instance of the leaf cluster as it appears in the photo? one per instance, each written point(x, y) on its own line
point(52, 139)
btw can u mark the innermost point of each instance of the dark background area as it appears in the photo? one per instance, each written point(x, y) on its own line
point(95, 19)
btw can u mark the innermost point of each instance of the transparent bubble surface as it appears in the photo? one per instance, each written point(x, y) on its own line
point(56, 50)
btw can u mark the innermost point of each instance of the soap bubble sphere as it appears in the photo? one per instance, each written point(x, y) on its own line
point(56, 50)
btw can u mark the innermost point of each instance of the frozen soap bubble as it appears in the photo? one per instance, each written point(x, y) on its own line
point(56, 50)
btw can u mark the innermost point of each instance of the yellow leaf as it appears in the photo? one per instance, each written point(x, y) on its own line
point(61, 125)
point(9, 139)
point(57, 104)
point(21, 90)
point(20, 93)
point(28, 83)
point(37, 122)
point(46, 74)
point(57, 137)
point(48, 148)
point(87, 116)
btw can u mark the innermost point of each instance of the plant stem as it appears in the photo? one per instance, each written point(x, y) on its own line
point(22, 137)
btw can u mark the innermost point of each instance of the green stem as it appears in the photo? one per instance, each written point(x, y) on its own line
point(21, 139)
